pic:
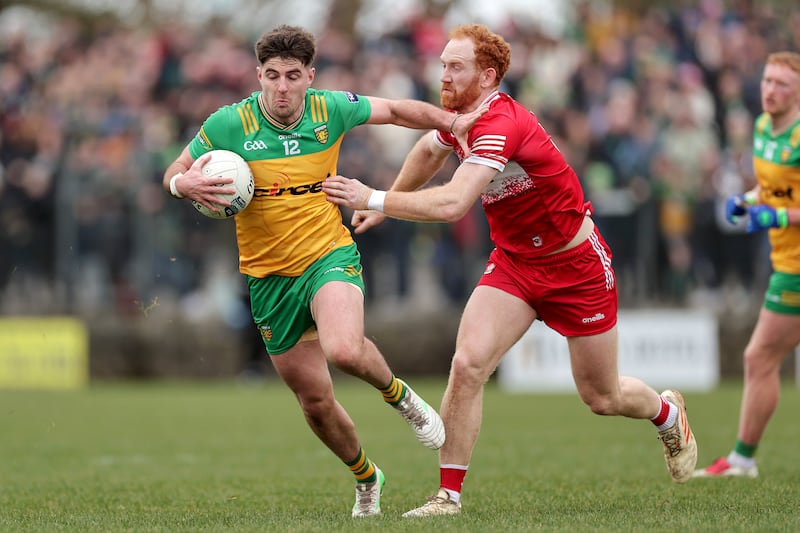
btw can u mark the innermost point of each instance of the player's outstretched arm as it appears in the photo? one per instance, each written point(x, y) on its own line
point(417, 114)
point(443, 203)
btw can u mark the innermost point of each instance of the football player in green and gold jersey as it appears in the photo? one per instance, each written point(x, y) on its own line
point(773, 205)
point(301, 264)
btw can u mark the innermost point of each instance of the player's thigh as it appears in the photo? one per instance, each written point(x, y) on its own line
point(337, 301)
point(305, 371)
point(338, 311)
point(594, 362)
point(777, 331)
point(774, 337)
point(492, 322)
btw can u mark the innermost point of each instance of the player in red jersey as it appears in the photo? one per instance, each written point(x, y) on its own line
point(549, 263)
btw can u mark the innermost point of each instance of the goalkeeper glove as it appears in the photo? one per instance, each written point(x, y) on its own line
point(736, 206)
point(763, 217)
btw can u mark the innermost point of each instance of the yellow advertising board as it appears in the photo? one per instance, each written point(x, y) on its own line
point(43, 353)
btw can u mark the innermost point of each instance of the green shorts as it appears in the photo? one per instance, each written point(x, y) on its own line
point(281, 305)
point(783, 293)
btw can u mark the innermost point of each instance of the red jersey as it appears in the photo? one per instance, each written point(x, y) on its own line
point(535, 204)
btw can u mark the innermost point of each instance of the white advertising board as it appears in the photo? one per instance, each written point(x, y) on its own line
point(663, 348)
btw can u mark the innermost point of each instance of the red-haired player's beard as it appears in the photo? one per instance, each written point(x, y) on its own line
point(460, 100)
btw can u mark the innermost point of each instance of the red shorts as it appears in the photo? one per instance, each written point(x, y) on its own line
point(573, 292)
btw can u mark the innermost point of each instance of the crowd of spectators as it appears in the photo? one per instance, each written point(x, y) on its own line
point(653, 107)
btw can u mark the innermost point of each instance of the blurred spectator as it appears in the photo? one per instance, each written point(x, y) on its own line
point(650, 104)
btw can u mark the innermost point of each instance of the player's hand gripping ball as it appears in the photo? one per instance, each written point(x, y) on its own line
point(227, 164)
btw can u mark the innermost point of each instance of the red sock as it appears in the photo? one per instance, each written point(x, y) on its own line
point(663, 413)
point(452, 477)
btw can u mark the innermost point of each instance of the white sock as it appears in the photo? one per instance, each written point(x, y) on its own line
point(741, 461)
point(455, 497)
point(671, 417)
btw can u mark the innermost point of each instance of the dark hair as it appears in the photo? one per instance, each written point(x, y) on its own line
point(287, 42)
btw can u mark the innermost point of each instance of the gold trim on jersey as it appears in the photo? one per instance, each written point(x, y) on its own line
point(794, 138)
point(790, 298)
point(204, 139)
point(762, 122)
point(319, 109)
point(353, 271)
point(248, 118)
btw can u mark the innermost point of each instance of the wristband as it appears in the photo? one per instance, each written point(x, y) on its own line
point(453, 123)
point(172, 189)
point(782, 217)
point(375, 201)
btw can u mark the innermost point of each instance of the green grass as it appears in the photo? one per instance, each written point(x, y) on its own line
point(230, 457)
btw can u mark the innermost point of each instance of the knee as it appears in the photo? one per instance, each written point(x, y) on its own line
point(468, 370)
point(347, 357)
point(315, 404)
point(600, 404)
point(750, 362)
point(759, 363)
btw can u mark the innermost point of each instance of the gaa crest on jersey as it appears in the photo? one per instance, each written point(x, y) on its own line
point(786, 153)
point(351, 97)
point(321, 134)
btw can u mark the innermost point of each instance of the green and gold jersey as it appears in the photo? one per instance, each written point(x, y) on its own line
point(777, 168)
point(289, 224)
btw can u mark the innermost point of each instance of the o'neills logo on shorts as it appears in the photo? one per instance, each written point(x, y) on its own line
point(595, 318)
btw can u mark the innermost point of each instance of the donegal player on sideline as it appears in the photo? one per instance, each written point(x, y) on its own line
point(300, 261)
point(773, 205)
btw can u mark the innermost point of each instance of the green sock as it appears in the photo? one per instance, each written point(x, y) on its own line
point(362, 468)
point(394, 391)
point(745, 450)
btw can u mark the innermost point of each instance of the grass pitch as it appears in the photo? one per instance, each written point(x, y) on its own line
point(229, 457)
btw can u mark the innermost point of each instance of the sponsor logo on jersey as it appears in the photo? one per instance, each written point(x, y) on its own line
point(254, 145)
point(297, 190)
point(352, 97)
point(321, 134)
point(787, 193)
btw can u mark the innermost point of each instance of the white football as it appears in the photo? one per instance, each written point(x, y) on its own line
point(227, 164)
